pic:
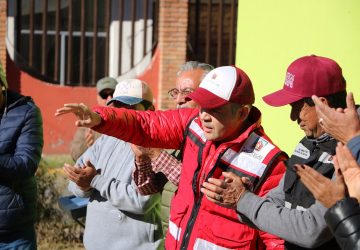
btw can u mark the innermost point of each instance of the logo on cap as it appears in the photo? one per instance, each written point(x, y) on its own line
point(315, 75)
point(223, 85)
point(289, 79)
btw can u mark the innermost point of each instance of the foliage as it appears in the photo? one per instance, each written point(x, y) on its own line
point(55, 229)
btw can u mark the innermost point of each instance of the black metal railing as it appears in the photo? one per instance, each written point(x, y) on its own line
point(68, 42)
point(212, 31)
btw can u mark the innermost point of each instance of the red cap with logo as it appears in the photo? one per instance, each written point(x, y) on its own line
point(223, 85)
point(307, 76)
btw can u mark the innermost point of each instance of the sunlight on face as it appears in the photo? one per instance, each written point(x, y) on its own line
point(187, 82)
point(220, 124)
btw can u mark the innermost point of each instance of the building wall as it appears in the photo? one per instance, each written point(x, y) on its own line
point(59, 131)
point(160, 74)
point(272, 34)
point(173, 21)
point(3, 32)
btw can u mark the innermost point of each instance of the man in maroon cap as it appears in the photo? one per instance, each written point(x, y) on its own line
point(290, 210)
point(224, 135)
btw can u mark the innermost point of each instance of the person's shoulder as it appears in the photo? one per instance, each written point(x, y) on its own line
point(106, 139)
point(188, 113)
point(17, 99)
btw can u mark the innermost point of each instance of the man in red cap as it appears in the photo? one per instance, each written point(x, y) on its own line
point(224, 135)
point(290, 210)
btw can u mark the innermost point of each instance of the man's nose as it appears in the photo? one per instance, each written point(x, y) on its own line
point(180, 99)
point(204, 115)
point(108, 98)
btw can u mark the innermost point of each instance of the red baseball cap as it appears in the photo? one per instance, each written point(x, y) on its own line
point(223, 85)
point(307, 76)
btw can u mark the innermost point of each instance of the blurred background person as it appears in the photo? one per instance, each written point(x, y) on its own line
point(85, 137)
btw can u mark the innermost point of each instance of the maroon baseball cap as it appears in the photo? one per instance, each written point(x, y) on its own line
point(223, 85)
point(307, 76)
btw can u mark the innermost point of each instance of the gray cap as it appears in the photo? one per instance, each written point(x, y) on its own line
point(106, 83)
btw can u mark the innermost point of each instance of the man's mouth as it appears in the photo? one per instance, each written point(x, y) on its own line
point(302, 126)
point(207, 129)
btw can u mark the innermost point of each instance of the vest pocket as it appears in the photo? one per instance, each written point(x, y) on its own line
point(201, 244)
point(226, 233)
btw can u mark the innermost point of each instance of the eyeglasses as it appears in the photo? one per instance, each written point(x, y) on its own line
point(174, 93)
point(104, 94)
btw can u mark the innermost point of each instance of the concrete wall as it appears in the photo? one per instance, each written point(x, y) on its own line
point(271, 34)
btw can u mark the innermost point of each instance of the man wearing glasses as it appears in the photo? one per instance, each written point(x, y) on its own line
point(85, 137)
point(188, 79)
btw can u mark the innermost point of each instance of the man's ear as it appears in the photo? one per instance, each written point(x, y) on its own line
point(244, 112)
point(324, 100)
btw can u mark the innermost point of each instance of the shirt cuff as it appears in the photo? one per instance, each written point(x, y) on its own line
point(163, 161)
point(143, 165)
point(98, 181)
point(354, 143)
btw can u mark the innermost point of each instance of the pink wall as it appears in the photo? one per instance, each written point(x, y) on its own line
point(58, 131)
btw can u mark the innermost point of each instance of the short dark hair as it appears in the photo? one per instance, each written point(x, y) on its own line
point(337, 100)
point(147, 105)
point(235, 107)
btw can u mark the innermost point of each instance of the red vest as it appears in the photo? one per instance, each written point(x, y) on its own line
point(197, 223)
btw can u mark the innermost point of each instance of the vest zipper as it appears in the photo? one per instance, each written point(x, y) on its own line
point(196, 207)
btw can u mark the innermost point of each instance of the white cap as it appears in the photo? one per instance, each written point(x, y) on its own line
point(132, 91)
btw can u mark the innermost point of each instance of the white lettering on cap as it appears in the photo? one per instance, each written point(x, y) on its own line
point(289, 79)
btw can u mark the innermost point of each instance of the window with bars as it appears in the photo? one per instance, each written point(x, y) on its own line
point(212, 35)
point(77, 42)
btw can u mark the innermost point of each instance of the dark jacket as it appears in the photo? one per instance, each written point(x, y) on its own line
point(21, 142)
point(316, 153)
point(343, 220)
